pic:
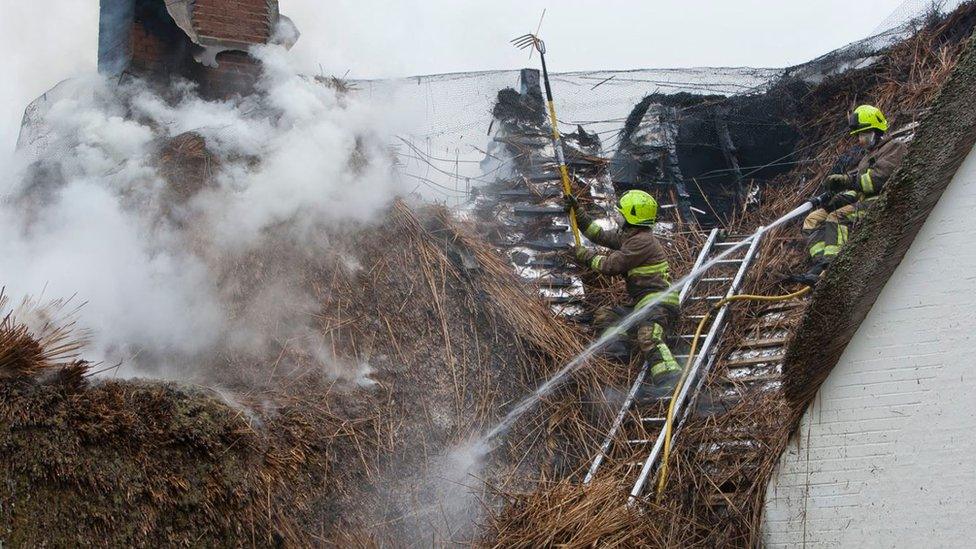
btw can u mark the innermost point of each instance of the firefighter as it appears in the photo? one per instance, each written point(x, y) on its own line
point(635, 253)
point(827, 228)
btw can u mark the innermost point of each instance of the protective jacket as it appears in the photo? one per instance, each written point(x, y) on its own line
point(877, 167)
point(828, 229)
point(635, 253)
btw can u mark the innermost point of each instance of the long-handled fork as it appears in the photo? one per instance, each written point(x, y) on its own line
point(533, 41)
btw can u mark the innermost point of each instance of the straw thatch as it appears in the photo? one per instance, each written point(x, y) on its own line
point(292, 448)
point(47, 347)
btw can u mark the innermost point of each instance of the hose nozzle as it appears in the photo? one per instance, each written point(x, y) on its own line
point(820, 201)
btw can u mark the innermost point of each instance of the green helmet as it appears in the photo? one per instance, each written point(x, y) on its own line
point(638, 208)
point(867, 117)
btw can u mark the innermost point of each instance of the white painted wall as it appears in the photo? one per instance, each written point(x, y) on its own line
point(887, 454)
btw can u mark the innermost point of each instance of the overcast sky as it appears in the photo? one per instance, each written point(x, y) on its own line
point(48, 40)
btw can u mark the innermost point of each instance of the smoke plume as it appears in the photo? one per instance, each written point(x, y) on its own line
point(102, 202)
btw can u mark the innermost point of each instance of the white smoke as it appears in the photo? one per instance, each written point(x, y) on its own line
point(87, 212)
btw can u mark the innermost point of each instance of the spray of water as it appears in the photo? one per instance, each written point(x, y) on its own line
point(464, 462)
point(626, 324)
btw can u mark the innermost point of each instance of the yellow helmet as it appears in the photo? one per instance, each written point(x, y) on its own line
point(638, 208)
point(867, 117)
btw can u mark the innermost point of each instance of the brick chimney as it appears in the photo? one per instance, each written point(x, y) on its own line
point(203, 40)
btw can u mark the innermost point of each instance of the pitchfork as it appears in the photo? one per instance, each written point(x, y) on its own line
point(533, 41)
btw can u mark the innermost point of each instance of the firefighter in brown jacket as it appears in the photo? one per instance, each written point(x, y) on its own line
point(828, 228)
point(634, 252)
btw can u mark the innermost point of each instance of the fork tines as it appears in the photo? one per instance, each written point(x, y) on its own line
point(526, 41)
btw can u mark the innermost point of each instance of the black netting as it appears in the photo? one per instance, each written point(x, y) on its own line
point(456, 113)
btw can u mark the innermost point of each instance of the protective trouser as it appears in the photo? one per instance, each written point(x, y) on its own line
point(650, 334)
point(828, 232)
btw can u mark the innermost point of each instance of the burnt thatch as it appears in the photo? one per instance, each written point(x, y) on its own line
point(441, 338)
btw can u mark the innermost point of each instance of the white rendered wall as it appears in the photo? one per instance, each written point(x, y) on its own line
point(887, 454)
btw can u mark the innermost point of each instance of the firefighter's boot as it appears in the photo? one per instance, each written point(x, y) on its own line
point(811, 277)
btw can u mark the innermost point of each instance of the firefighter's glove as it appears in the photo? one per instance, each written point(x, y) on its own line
point(583, 220)
point(583, 256)
point(571, 203)
point(839, 182)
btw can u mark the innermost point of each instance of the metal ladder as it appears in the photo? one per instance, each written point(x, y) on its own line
point(726, 276)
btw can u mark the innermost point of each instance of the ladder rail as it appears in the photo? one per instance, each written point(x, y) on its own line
point(703, 356)
point(632, 394)
point(706, 250)
point(617, 423)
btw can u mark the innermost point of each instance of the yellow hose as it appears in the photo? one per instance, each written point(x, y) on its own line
point(663, 476)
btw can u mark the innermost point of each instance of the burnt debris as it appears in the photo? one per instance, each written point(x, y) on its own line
point(523, 208)
point(707, 153)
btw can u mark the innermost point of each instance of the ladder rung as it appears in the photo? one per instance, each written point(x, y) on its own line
point(537, 210)
point(640, 441)
point(780, 323)
point(723, 454)
point(654, 419)
point(696, 316)
point(757, 378)
point(708, 298)
point(757, 343)
point(555, 282)
point(785, 306)
point(754, 361)
point(513, 193)
point(543, 245)
point(728, 261)
point(721, 279)
point(728, 244)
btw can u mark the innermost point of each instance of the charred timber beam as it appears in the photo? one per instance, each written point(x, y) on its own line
point(670, 166)
point(728, 151)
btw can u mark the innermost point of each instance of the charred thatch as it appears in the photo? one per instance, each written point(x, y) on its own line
point(512, 105)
